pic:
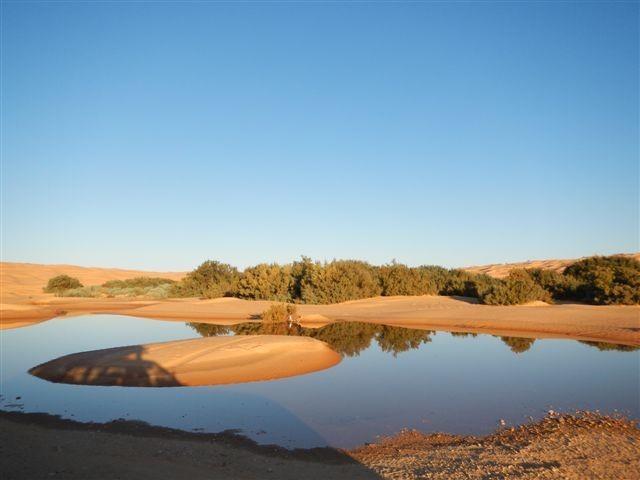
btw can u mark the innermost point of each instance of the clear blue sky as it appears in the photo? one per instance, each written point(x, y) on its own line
point(157, 135)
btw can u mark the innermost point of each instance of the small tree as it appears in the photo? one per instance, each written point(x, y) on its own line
point(518, 288)
point(60, 283)
point(210, 280)
point(279, 313)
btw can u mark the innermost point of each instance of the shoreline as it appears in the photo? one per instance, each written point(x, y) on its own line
point(612, 324)
point(548, 448)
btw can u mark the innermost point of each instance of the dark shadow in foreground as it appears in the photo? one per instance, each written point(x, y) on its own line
point(339, 462)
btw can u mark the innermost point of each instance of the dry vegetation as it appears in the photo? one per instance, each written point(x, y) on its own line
point(596, 280)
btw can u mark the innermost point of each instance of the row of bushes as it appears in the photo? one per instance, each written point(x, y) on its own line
point(150, 287)
point(596, 280)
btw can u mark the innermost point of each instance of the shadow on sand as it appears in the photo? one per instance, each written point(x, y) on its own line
point(128, 368)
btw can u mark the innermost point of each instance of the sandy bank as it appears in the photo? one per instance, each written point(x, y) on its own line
point(616, 324)
point(572, 447)
point(202, 361)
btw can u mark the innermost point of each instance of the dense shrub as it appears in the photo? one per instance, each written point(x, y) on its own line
point(599, 280)
point(138, 282)
point(279, 313)
point(561, 287)
point(606, 280)
point(398, 279)
point(60, 283)
point(438, 277)
point(93, 291)
point(337, 281)
point(210, 280)
point(458, 282)
point(518, 288)
point(266, 282)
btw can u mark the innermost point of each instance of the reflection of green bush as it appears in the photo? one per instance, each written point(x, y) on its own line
point(209, 329)
point(518, 344)
point(346, 338)
point(605, 346)
point(463, 334)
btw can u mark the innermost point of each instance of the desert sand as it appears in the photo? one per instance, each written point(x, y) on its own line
point(617, 324)
point(501, 270)
point(203, 361)
point(19, 281)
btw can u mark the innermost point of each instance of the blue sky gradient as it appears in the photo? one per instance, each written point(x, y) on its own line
point(157, 135)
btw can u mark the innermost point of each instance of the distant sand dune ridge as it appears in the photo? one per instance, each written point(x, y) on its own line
point(501, 270)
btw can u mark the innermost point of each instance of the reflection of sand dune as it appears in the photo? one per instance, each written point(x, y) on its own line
point(203, 361)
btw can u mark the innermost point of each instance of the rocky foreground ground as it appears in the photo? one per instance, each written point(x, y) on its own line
point(585, 445)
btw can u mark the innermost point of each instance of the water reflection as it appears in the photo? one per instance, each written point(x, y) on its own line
point(346, 338)
point(460, 383)
point(518, 344)
point(604, 346)
point(351, 338)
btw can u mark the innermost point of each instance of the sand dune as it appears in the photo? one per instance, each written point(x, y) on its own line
point(20, 280)
point(500, 270)
point(203, 361)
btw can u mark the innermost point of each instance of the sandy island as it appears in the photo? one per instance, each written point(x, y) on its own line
point(202, 361)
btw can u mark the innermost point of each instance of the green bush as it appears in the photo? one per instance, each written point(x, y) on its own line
point(210, 280)
point(560, 287)
point(398, 279)
point(459, 283)
point(438, 277)
point(143, 282)
point(606, 280)
point(60, 283)
point(337, 281)
point(266, 282)
point(93, 291)
point(279, 313)
point(518, 288)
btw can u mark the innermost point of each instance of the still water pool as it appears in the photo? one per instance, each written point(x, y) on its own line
point(390, 378)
